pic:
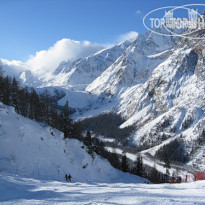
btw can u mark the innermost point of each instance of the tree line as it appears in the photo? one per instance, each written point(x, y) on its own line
point(107, 125)
point(42, 108)
point(123, 163)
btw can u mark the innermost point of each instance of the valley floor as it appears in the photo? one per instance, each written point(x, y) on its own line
point(19, 190)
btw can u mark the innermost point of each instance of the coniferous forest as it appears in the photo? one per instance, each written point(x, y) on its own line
point(42, 108)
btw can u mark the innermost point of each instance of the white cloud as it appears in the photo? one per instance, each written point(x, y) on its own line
point(138, 12)
point(130, 36)
point(46, 61)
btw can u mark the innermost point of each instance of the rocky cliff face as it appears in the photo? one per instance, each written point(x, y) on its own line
point(161, 91)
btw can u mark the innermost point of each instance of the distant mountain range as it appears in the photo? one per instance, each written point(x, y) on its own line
point(156, 83)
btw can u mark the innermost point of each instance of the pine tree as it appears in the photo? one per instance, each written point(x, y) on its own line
point(114, 159)
point(89, 143)
point(77, 130)
point(167, 166)
point(124, 164)
point(88, 139)
point(23, 102)
point(34, 106)
point(138, 166)
point(67, 124)
point(45, 107)
point(7, 90)
point(15, 94)
point(154, 175)
point(54, 122)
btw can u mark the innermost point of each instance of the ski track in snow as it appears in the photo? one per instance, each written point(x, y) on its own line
point(18, 190)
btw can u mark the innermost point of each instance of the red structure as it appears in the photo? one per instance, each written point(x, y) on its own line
point(175, 180)
point(188, 178)
point(199, 176)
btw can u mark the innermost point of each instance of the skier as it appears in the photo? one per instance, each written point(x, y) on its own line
point(69, 177)
point(66, 177)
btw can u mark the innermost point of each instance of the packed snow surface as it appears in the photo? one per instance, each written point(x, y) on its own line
point(19, 190)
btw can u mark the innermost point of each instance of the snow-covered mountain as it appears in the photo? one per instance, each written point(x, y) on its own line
point(82, 72)
point(33, 150)
point(161, 93)
point(134, 66)
point(156, 83)
point(160, 87)
point(19, 70)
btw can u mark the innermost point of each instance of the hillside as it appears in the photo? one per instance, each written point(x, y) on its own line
point(30, 149)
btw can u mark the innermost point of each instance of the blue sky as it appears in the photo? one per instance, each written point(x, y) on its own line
point(28, 26)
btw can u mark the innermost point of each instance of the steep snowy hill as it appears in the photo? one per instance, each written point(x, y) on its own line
point(30, 149)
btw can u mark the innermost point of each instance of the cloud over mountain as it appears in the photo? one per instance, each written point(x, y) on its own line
point(46, 61)
point(130, 36)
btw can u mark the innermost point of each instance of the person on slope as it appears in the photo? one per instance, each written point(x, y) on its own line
point(66, 177)
point(69, 177)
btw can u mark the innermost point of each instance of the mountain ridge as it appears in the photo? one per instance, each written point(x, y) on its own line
point(155, 83)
